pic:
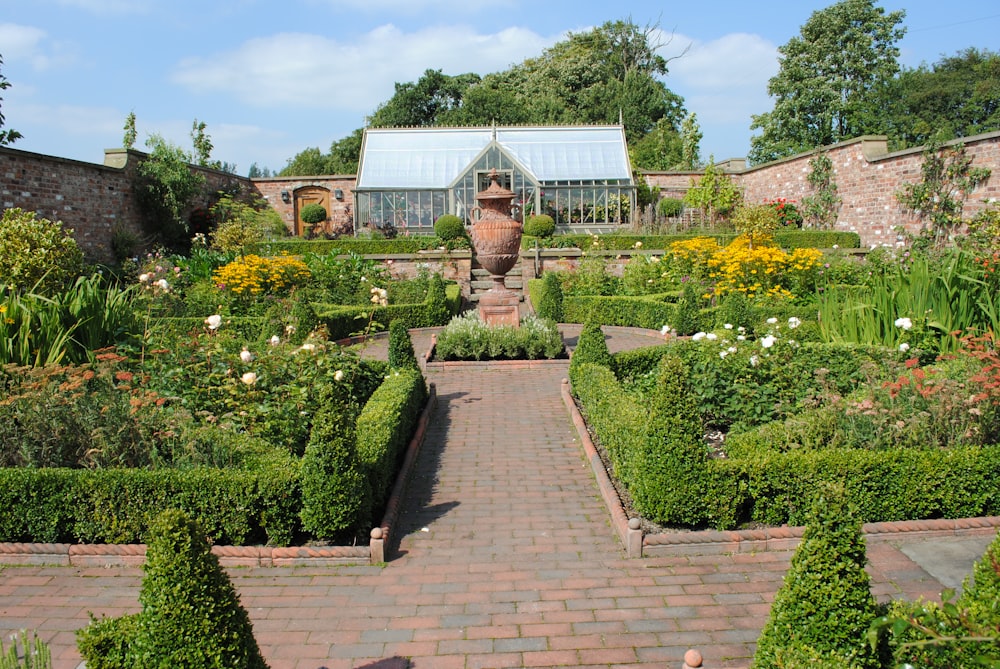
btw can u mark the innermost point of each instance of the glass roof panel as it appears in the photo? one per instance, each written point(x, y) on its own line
point(403, 158)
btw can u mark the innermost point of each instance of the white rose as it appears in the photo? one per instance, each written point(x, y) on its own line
point(904, 347)
point(249, 378)
point(698, 336)
point(275, 340)
point(338, 375)
point(245, 355)
point(768, 341)
point(213, 322)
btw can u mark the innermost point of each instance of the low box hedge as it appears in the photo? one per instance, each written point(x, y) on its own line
point(763, 485)
point(343, 321)
point(298, 247)
point(787, 239)
point(255, 504)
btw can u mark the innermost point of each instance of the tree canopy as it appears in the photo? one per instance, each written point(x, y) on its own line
point(829, 82)
point(597, 76)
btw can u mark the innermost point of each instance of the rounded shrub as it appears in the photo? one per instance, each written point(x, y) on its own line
point(449, 227)
point(670, 207)
point(313, 213)
point(191, 615)
point(37, 254)
point(540, 225)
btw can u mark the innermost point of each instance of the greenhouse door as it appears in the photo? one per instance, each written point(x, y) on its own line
point(505, 180)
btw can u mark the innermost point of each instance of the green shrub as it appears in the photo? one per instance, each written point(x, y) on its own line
point(550, 305)
point(468, 337)
point(647, 311)
point(384, 429)
point(191, 615)
point(670, 207)
point(401, 354)
point(449, 227)
point(541, 225)
point(736, 310)
point(36, 254)
point(825, 603)
point(672, 458)
point(687, 319)
point(106, 643)
point(591, 347)
point(981, 590)
point(334, 489)
point(313, 213)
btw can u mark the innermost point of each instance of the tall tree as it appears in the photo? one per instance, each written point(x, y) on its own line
point(424, 102)
point(826, 89)
point(956, 97)
point(8, 136)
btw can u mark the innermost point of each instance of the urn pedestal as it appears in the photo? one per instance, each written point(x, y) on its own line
point(496, 238)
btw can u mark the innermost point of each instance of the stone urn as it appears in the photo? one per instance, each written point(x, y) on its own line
point(496, 238)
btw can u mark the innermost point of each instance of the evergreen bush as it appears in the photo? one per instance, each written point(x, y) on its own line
point(590, 347)
point(449, 227)
point(687, 320)
point(672, 458)
point(550, 305)
point(670, 207)
point(825, 603)
point(401, 355)
point(312, 214)
point(541, 225)
point(334, 489)
point(37, 254)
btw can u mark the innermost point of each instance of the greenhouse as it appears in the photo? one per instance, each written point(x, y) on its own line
point(408, 177)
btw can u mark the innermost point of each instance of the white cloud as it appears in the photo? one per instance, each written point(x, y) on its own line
point(72, 120)
point(415, 7)
point(31, 45)
point(313, 71)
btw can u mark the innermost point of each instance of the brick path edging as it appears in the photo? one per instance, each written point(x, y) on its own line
point(100, 555)
point(709, 542)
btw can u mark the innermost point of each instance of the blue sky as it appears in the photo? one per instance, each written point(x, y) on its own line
point(272, 78)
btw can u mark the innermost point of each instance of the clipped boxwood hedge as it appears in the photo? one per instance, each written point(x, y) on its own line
point(259, 503)
point(343, 321)
point(763, 485)
point(787, 239)
point(298, 247)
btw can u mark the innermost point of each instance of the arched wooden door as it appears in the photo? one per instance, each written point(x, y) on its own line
point(306, 196)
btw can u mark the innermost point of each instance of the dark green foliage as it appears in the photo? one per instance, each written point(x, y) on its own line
point(670, 207)
point(550, 305)
point(736, 311)
point(401, 355)
point(449, 227)
point(981, 589)
point(313, 213)
point(591, 347)
point(438, 311)
point(541, 225)
point(191, 615)
point(673, 456)
point(443, 300)
point(825, 604)
point(646, 311)
point(335, 491)
point(687, 320)
point(384, 429)
point(786, 239)
point(300, 247)
point(106, 643)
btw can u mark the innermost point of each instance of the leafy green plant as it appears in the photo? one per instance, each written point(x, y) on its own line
point(449, 227)
point(670, 207)
point(240, 225)
point(191, 615)
point(34, 653)
point(687, 320)
point(467, 337)
point(37, 254)
point(757, 222)
point(550, 305)
point(821, 206)
point(540, 225)
point(714, 193)
point(335, 491)
point(825, 603)
point(591, 347)
point(401, 354)
point(948, 179)
point(165, 188)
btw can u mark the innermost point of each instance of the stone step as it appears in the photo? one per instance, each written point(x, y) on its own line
point(513, 284)
point(474, 297)
point(479, 272)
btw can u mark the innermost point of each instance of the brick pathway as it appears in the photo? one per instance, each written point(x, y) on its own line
point(507, 559)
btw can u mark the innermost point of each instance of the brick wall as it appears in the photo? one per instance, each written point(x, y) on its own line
point(90, 199)
point(341, 212)
point(867, 178)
